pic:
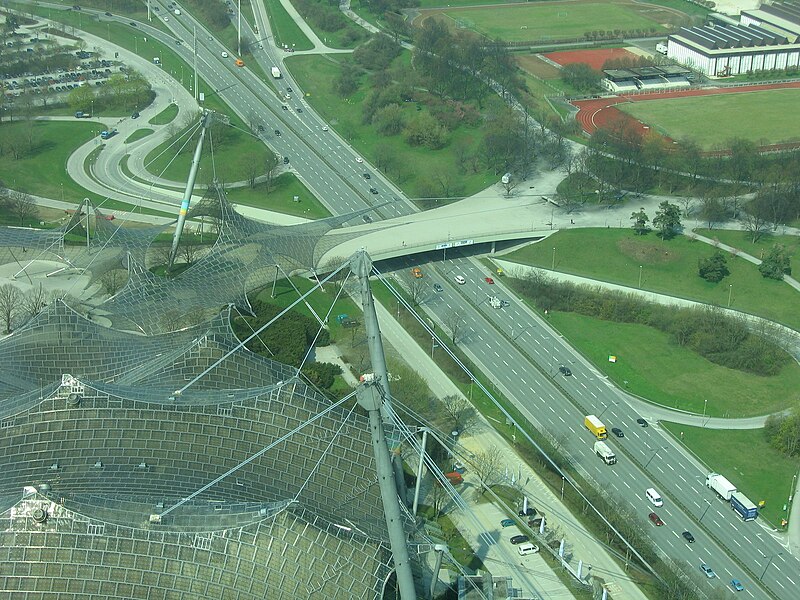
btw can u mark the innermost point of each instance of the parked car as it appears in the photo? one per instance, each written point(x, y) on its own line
point(688, 537)
point(565, 371)
point(617, 432)
point(655, 519)
point(135, 115)
point(507, 523)
point(709, 572)
point(519, 539)
point(737, 585)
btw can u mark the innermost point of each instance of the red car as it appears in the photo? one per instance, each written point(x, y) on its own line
point(655, 519)
point(489, 280)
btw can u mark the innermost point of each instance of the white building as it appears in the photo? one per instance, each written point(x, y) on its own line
point(765, 39)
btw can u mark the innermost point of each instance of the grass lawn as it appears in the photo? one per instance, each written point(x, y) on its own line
point(744, 457)
point(411, 167)
point(138, 135)
point(707, 118)
point(742, 241)
point(165, 116)
point(667, 374)
point(284, 28)
point(319, 301)
point(43, 172)
point(615, 256)
point(547, 21)
point(281, 198)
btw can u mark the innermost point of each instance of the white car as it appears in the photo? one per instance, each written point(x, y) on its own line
point(359, 159)
point(224, 55)
point(460, 279)
point(324, 128)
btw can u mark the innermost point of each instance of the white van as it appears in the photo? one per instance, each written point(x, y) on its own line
point(661, 48)
point(460, 279)
point(525, 549)
point(654, 497)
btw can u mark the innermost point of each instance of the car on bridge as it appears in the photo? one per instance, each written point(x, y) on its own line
point(507, 523)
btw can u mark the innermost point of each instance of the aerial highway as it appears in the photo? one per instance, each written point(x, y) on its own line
point(522, 355)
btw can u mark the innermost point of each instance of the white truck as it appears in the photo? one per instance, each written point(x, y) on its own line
point(276, 72)
point(661, 48)
point(605, 452)
point(720, 485)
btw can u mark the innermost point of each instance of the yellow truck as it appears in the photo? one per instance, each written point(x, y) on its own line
point(596, 426)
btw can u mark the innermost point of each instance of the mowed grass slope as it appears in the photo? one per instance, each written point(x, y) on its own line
point(713, 120)
point(615, 255)
point(656, 368)
point(543, 21)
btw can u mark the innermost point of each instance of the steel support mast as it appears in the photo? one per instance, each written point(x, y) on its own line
point(187, 193)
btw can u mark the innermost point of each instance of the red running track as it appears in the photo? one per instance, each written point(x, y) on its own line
point(593, 114)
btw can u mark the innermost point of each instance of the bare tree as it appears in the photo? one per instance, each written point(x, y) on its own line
point(21, 205)
point(113, 281)
point(271, 163)
point(11, 302)
point(755, 224)
point(461, 413)
point(34, 301)
point(454, 321)
point(687, 203)
point(487, 465)
point(416, 290)
point(510, 185)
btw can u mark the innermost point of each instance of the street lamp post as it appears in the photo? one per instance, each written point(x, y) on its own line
point(553, 267)
point(705, 511)
point(730, 292)
point(705, 404)
point(652, 457)
point(769, 562)
point(640, 276)
point(563, 479)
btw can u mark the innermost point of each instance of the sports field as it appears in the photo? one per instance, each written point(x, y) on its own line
point(555, 20)
point(765, 117)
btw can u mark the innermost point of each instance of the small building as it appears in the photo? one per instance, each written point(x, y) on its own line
point(621, 81)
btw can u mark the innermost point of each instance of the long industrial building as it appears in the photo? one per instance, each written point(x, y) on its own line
point(765, 39)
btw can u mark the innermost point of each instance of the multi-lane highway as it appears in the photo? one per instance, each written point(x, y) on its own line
point(522, 355)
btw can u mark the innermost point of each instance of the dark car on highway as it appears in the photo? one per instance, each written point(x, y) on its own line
point(641, 422)
point(437, 287)
point(519, 539)
point(617, 432)
point(688, 537)
point(565, 371)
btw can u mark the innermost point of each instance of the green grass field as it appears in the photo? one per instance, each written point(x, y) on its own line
point(744, 457)
point(548, 21)
point(281, 198)
point(614, 255)
point(165, 116)
point(758, 116)
point(742, 241)
point(673, 376)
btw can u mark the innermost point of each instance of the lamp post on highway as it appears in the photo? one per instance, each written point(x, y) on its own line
point(705, 511)
point(610, 404)
point(769, 562)
point(652, 457)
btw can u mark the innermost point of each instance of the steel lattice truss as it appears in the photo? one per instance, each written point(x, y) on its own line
point(94, 431)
